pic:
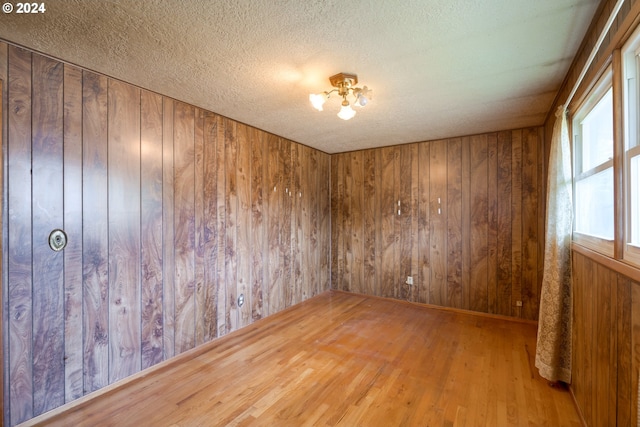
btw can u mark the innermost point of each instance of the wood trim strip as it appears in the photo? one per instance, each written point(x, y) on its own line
point(618, 266)
point(4, 62)
point(595, 49)
point(616, 41)
point(618, 156)
point(2, 385)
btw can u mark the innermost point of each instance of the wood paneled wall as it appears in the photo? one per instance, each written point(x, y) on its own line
point(171, 212)
point(463, 216)
point(606, 338)
point(606, 311)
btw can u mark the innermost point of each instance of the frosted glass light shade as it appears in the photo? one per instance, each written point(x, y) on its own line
point(346, 112)
point(317, 100)
point(361, 100)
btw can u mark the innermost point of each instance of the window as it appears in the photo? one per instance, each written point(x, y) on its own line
point(606, 170)
point(631, 162)
point(593, 168)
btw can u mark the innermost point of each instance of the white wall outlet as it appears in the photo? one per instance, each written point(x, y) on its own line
point(518, 303)
point(409, 280)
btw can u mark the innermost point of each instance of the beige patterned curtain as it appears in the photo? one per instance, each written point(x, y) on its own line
point(553, 349)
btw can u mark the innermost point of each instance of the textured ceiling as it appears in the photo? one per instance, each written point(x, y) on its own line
point(438, 68)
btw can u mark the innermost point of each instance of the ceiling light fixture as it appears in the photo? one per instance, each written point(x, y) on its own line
point(344, 84)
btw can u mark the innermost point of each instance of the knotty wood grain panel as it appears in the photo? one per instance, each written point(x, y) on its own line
point(590, 319)
point(516, 221)
point(184, 226)
point(347, 224)
point(478, 292)
point(503, 288)
point(368, 222)
point(438, 222)
point(624, 340)
point(311, 261)
point(388, 212)
point(95, 234)
point(210, 195)
point(530, 187)
point(305, 206)
point(73, 289)
point(200, 308)
point(151, 228)
point(338, 231)
point(605, 294)
point(243, 245)
point(274, 302)
point(635, 350)
point(454, 291)
point(397, 224)
point(466, 220)
point(221, 177)
point(424, 218)
point(19, 267)
point(297, 238)
point(231, 223)
point(324, 230)
point(635, 346)
point(415, 170)
point(605, 336)
point(357, 223)
point(405, 220)
point(492, 224)
point(285, 219)
point(579, 333)
point(258, 242)
point(47, 180)
point(377, 218)
point(124, 230)
point(168, 231)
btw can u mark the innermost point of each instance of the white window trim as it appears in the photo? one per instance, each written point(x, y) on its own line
point(587, 103)
point(630, 69)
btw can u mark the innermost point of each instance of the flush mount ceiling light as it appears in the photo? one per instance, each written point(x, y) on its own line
point(344, 84)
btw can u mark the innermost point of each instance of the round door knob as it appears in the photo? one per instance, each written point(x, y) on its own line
point(57, 240)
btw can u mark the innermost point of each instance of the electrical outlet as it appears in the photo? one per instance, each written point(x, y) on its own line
point(518, 303)
point(409, 280)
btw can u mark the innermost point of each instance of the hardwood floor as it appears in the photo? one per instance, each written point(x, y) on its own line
point(342, 359)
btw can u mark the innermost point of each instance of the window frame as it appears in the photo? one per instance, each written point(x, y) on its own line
point(630, 54)
point(631, 251)
point(586, 104)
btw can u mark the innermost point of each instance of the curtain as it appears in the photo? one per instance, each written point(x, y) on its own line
point(553, 349)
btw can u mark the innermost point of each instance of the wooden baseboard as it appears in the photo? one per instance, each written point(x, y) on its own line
point(451, 309)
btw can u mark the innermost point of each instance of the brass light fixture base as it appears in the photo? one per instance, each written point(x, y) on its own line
point(340, 79)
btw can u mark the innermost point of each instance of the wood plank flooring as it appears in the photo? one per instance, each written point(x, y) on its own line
point(342, 359)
